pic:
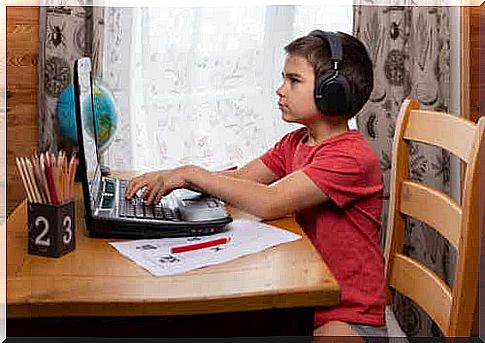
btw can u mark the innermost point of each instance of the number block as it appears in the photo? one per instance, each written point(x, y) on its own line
point(51, 229)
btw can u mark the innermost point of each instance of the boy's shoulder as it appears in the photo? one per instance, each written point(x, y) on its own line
point(348, 140)
point(351, 143)
point(354, 145)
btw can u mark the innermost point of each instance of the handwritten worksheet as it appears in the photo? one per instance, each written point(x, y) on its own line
point(244, 237)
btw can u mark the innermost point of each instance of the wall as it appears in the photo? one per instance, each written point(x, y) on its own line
point(477, 54)
point(3, 119)
point(477, 93)
point(22, 80)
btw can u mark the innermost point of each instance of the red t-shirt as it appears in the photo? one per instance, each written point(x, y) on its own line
point(345, 230)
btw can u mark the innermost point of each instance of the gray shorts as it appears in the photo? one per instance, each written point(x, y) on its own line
point(371, 334)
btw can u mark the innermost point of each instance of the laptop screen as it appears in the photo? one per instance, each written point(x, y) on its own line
point(84, 99)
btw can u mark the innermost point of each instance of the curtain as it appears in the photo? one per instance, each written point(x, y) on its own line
point(197, 85)
point(410, 49)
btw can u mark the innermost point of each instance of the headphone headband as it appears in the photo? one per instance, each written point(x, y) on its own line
point(335, 46)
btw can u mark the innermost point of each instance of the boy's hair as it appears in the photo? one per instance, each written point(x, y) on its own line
point(356, 65)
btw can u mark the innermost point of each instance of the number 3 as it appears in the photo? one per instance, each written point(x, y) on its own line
point(68, 232)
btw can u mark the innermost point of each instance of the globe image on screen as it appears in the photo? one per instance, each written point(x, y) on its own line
point(105, 112)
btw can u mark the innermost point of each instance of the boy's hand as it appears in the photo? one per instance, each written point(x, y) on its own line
point(156, 184)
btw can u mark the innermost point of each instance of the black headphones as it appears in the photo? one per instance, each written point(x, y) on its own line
point(332, 90)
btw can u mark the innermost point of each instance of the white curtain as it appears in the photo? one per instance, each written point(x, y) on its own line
point(197, 84)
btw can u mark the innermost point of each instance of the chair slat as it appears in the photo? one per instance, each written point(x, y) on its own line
point(432, 207)
point(442, 129)
point(424, 287)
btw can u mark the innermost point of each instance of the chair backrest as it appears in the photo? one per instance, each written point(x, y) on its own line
point(451, 309)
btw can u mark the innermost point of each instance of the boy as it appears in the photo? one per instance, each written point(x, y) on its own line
point(324, 173)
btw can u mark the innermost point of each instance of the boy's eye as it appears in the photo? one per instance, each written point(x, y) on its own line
point(293, 80)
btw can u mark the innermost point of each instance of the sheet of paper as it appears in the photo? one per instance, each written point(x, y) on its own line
point(246, 237)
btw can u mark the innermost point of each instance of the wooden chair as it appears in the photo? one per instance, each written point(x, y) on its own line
point(451, 309)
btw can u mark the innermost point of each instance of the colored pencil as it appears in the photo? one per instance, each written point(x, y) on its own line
point(24, 180)
point(44, 179)
point(30, 170)
point(48, 178)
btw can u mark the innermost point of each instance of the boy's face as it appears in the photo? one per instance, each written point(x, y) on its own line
point(296, 100)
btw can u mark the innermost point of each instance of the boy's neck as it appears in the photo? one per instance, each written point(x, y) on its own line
point(325, 129)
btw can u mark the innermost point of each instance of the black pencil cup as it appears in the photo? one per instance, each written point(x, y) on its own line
point(51, 229)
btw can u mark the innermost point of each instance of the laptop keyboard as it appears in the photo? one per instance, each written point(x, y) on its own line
point(136, 207)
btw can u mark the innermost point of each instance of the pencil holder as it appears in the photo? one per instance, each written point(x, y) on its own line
point(51, 229)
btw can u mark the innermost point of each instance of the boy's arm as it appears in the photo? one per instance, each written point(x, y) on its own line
point(255, 171)
point(294, 192)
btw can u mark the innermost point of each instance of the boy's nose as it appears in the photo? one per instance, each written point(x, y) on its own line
point(279, 91)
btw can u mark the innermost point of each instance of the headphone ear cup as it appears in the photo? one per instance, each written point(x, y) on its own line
point(319, 92)
point(332, 94)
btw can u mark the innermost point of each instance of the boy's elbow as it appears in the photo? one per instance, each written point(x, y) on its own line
point(270, 216)
point(271, 210)
point(264, 215)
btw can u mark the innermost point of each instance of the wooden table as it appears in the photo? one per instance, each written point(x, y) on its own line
point(95, 291)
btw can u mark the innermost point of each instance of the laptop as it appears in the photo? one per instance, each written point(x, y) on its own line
point(108, 213)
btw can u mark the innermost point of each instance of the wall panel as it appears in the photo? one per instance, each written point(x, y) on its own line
point(22, 81)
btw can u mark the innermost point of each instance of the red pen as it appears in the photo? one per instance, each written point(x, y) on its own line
point(201, 245)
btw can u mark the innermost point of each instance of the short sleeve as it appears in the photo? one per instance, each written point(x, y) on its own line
point(341, 177)
point(276, 157)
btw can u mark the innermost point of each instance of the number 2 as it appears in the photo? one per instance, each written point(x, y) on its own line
point(41, 239)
